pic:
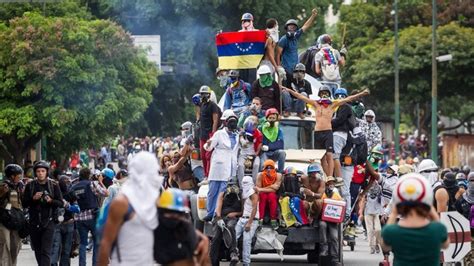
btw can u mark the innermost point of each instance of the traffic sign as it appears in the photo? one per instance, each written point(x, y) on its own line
point(459, 233)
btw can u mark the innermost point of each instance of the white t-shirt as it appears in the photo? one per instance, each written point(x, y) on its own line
point(248, 208)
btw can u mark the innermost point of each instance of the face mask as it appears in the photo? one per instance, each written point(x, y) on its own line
point(265, 80)
point(232, 124)
point(272, 123)
point(255, 107)
point(205, 98)
point(299, 76)
point(290, 35)
point(247, 25)
point(431, 177)
point(223, 80)
point(274, 34)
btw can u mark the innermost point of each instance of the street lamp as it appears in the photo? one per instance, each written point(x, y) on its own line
point(397, 85)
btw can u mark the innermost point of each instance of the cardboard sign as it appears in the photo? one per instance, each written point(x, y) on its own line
point(459, 233)
point(333, 211)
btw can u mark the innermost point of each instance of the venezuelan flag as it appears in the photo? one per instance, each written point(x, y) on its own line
point(240, 50)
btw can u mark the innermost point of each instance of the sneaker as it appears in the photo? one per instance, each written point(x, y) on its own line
point(203, 182)
point(234, 257)
point(301, 115)
point(286, 113)
point(274, 224)
point(372, 250)
point(377, 249)
point(207, 219)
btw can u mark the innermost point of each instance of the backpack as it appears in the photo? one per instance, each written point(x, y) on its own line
point(59, 211)
point(359, 151)
point(307, 59)
point(329, 64)
point(101, 221)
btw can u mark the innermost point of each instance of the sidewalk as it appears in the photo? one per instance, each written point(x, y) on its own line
point(27, 257)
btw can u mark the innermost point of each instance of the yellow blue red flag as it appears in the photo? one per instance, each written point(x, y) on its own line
point(240, 50)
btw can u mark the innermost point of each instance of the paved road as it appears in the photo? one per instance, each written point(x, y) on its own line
point(359, 257)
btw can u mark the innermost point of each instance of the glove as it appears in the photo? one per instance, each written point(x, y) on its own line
point(74, 208)
point(281, 72)
point(264, 148)
point(343, 51)
point(220, 223)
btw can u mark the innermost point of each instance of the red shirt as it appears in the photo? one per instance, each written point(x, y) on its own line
point(257, 139)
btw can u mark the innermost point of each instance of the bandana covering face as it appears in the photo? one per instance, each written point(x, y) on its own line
point(270, 132)
point(265, 80)
point(325, 102)
point(268, 175)
point(274, 34)
point(247, 25)
point(247, 187)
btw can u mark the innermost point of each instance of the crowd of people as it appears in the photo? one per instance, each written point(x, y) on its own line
point(138, 213)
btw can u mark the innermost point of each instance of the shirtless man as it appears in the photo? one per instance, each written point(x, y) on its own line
point(270, 44)
point(313, 187)
point(325, 109)
point(181, 172)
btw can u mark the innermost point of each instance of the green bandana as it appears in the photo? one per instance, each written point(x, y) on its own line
point(271, 133)
point(265, 80)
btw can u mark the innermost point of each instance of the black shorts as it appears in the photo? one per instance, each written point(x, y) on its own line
point(324, 140)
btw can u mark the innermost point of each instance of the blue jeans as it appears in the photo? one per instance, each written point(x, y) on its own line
point(247, 237)
point(84, 227)
point(290, 104)
point(62, 242)
point(215, 187)
point(198, 172)
point(277, 156)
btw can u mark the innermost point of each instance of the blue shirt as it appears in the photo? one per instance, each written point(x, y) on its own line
point(289, 57)
point(233, 139)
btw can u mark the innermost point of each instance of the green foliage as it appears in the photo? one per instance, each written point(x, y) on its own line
point(74, 81)
point(70, 8)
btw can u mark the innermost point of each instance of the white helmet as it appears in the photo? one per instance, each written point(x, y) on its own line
point(227, 114)
point(413, 187)
point(427, 165)
point(369, 113)
point(394, 168)
point(264, 69)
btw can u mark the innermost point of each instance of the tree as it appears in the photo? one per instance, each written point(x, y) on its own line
point(73, 81)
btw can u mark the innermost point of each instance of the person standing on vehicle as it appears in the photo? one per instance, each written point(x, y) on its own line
point(299, 84)
point(270, 44)
point(224, 145)
point(371, 130)
point(228, 211)
point(268, 183)
point(418, 236)
point(180, 170)
point(267, 89)
point(208, 117)
point(287, 50)
point(88, 193)
point(42, 197)
point(329, 240)
point(251, 144)
point(325, 108)
point(273, 142)
point(237, 94)
point(11, 189)
point(327, 62)
point(248, 223)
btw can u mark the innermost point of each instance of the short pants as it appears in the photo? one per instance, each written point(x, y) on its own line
point(324, 140)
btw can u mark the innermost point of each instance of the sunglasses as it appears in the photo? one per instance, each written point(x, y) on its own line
point(299, 71)
point(269, 168)
point(245, 20)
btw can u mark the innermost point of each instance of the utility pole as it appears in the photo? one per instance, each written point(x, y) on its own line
point(397, 89)
point(434, 89)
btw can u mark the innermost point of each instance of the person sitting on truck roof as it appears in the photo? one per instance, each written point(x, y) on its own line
point(291, 103)
point(325, 108)
point(273, 143)
point(237, 93)
point(329, 241)
point(255, 109)
point(251, 144)
point(267, 89)
point(268, 183)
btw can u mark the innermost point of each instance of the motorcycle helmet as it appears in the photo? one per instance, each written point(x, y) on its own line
point(13, 170)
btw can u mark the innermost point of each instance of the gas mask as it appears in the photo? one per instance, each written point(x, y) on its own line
point(223, 80)
point(232, 124)
point(274, 34)
point(299, 76)
point(205, 97)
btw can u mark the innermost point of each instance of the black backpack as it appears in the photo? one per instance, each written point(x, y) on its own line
point(307, 59)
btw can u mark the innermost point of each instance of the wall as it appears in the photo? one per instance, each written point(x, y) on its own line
point(458, 149)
